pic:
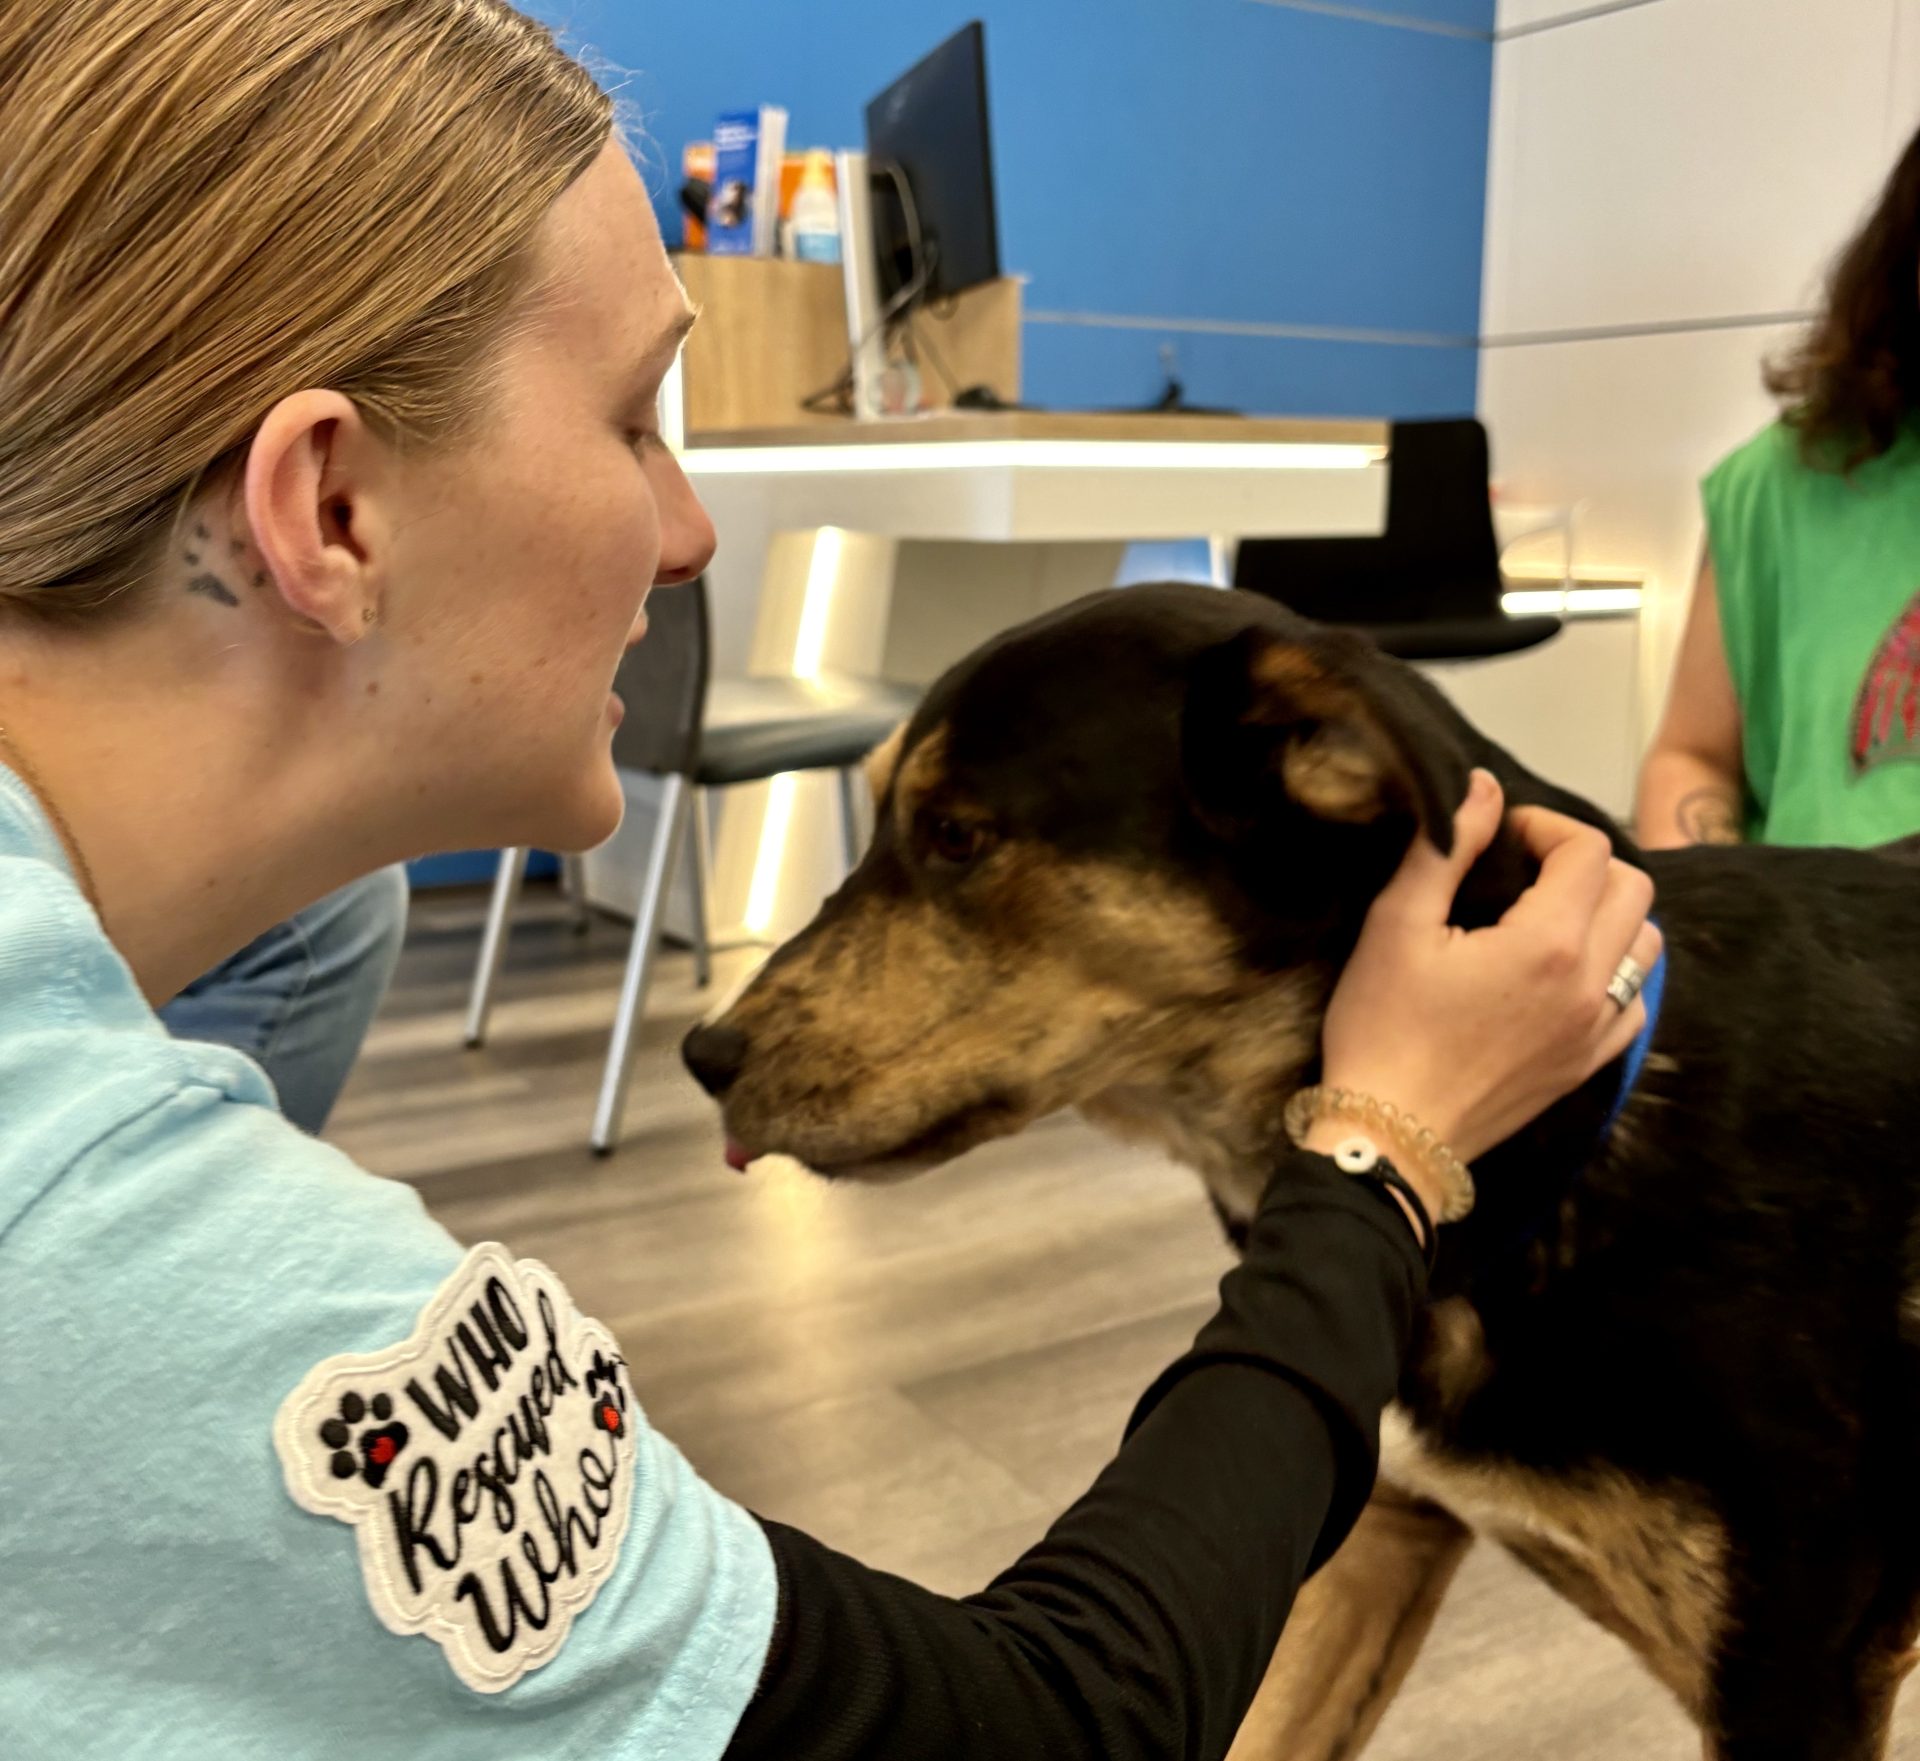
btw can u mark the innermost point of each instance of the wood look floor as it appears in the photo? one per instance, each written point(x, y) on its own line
point(922, 1375)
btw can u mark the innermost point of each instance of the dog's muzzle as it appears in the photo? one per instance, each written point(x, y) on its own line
point(715, 1054)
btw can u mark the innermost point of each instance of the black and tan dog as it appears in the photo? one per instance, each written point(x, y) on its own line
point(1674, 1366)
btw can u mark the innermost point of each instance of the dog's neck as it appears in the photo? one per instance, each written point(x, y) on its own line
point(1210, 1085)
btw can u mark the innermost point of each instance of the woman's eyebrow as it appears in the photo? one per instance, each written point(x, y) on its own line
point(668, 342)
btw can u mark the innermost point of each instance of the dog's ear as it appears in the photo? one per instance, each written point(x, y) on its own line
point(1324, 722)
point(883, 761)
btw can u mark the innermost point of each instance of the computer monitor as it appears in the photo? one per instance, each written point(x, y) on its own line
point(928, 132)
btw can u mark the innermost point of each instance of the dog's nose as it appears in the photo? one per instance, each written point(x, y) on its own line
point(714, 1055)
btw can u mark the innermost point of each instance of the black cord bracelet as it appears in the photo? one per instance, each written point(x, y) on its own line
point(1383, 1179)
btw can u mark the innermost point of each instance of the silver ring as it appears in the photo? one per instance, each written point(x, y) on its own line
point(1625, 984)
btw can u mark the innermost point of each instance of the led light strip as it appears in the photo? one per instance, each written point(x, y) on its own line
point(811, 641)
point(808, 646)
point(761, 895)
point(1574, 602)
point(1045, 455)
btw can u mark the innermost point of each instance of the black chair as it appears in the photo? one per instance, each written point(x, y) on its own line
point(1429, 588)
point(698, 734)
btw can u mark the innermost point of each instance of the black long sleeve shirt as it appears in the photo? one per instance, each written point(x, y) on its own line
point(1141, 1624)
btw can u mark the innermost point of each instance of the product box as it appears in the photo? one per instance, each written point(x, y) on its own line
point(696, 166)
point(743, 216)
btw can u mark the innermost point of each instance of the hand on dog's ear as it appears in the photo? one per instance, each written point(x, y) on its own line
point(1326, 723)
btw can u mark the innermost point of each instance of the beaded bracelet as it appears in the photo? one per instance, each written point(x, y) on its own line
point(1414, 1142)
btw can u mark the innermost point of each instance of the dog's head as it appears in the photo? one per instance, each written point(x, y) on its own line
point(1120, 855)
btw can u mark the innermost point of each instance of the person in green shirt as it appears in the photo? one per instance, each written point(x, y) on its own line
point(1794, 712)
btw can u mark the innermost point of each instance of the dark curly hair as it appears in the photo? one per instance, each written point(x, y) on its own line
point(1850, 383)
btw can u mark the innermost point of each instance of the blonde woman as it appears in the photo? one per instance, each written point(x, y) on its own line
point(330, 494)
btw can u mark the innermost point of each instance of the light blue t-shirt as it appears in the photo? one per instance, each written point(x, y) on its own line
point(180, 1272)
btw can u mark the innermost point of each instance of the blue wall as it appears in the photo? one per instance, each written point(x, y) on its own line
point(1239, 178)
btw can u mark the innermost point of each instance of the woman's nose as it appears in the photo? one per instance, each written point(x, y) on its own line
point(686, 532)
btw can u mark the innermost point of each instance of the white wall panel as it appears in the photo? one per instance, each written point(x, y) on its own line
point(1668, 165)
point(1565, 709)
point(1687, 159)
point(1625, 428)
point(1903, 96)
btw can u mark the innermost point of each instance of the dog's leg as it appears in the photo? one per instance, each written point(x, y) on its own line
point(1817, 1646)
point(1831, 1712)
point(1355, 1630)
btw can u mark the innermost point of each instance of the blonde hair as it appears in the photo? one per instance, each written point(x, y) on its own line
point(206, 205)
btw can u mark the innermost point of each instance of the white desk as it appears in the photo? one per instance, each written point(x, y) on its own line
point(1056, 479)
point(904, 587)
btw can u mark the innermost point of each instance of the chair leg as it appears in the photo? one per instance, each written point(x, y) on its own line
point(674, 801)
point(700, 851)
point(493, 940)
point(573, 882)
point(852, 782)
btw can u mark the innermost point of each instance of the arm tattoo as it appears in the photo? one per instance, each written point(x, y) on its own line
point(1710, 816)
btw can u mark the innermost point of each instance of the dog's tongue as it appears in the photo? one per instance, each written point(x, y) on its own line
point(738, 1155)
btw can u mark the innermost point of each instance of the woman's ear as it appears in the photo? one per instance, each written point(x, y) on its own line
point(309, 488)
point(1329, 726)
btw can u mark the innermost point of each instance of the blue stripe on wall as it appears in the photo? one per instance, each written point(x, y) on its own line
point(1178, 559)
point(1211, 159)
point(1080, 366)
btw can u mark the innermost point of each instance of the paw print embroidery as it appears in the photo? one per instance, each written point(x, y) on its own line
point(608, 1397)
point(380, 1443)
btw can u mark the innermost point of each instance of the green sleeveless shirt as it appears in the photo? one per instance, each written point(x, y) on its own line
point(1819, 594)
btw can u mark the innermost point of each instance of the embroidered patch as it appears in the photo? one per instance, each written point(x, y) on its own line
point(1886, 714)
point(485, 1462)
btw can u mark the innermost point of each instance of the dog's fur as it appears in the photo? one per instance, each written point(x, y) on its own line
point(1121, 856)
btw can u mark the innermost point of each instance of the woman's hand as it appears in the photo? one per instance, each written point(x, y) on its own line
point(1477, 1032)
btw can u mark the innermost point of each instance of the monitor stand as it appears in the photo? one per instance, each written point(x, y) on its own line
point(879, 386)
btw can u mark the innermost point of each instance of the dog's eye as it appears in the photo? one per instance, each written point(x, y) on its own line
point(954, 840)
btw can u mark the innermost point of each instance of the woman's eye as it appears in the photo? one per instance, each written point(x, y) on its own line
point(954, 840)
point(646, 440)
